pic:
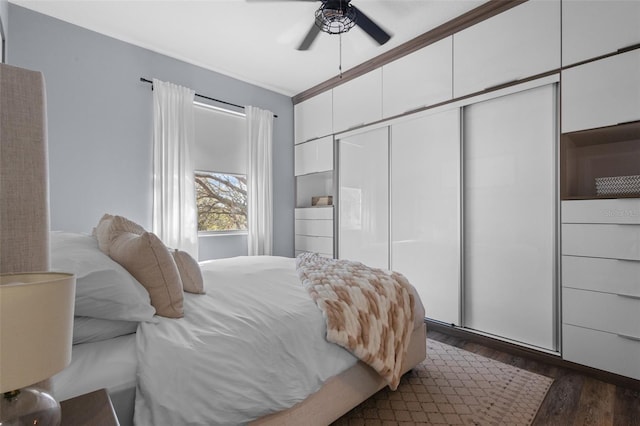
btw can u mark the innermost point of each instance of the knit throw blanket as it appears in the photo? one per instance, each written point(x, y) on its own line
point(368, 311)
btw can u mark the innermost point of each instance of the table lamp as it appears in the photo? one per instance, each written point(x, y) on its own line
point(36, 331)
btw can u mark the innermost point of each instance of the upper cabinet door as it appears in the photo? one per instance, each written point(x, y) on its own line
point(358, 101)
point(597, 27)
point(518, 43)
point(314, 117)
point(419, 79)
point(601, 93)
point(314, 156)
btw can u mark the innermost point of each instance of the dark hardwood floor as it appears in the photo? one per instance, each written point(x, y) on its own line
point(575, 399)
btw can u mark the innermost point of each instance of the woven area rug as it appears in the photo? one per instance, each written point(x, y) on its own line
point(455, 387)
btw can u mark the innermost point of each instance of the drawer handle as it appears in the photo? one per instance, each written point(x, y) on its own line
point(630, 296)
point(625, 336)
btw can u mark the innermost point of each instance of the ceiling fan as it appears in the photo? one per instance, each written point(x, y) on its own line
point(339, 16)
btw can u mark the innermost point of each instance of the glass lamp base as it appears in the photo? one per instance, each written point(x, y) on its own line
point(29, 407)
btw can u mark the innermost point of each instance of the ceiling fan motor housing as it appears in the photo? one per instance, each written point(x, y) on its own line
point(336, 16)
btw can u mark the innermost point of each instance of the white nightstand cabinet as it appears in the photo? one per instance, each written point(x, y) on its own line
point(601, 284)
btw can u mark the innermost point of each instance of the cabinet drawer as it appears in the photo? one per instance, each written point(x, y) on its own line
point(601, 240)
point(621, 210)
point(598, 349)
point(601, 311)
point(314, 156)
point(314, 228)
point(314, 244)
point(600, 274)
point(601, 93)
point(314, 213)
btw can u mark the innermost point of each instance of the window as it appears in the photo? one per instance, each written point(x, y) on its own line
point(222, 202)
point(220, 163)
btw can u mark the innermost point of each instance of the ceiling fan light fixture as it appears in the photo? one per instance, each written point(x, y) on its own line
point(336, 17)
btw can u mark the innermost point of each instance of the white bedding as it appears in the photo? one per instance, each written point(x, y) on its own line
point(109, 364)
point(235, 356)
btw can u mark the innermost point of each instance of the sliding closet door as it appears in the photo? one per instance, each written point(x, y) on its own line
point(510, 216)
point(425, 210)
point(363, 206)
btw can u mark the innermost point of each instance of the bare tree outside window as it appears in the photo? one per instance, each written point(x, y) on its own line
point(222, 202)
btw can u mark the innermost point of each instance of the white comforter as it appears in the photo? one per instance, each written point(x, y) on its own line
point(254, 344)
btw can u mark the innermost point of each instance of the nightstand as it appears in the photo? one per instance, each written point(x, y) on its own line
point(90, 409)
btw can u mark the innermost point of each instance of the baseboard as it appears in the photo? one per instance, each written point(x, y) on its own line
point(532, 354)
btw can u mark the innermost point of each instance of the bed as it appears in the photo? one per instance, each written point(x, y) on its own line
point(266, 371)
point(117, 327)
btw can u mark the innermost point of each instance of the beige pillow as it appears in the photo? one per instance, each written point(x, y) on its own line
point(151, 263)
point(190, 273)
point(111, 226)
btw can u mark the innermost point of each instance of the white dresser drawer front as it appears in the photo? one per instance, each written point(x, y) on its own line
point(314, 227)
point(605, 351)
point(601, 240)
point(601, 311)
point(314, 244)
point(314, 213)
point(599, 274)
point(619, 210)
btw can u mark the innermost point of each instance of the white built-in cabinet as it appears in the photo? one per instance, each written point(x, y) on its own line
point(313, 169)
point(363, 191)
point(510, 220)
point(598, 27)
point(425, 210)
point(314, 117)
point(601, 93)
point(601, 284)
point(358, 101)
point(463, 198)
point(521, 42)
point(419, 79)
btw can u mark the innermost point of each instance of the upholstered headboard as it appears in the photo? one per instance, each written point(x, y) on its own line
point(24, 189)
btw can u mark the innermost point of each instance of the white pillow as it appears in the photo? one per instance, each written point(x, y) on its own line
point(87, 329)
point(104, 289)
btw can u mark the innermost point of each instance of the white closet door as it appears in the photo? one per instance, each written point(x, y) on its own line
point(509, 216)
point(363, 174)
point(425, 218)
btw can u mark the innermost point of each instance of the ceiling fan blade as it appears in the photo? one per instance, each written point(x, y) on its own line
point(310, 37)
point(370, 27)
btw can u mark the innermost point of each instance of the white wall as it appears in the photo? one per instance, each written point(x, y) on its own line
point(100, 122)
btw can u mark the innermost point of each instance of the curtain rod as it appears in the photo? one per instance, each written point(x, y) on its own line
point(145, 80)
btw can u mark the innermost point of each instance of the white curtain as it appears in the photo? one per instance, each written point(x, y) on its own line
point(259, 180)
point(175, 219)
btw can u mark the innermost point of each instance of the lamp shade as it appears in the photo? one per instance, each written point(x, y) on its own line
point(36, 326)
